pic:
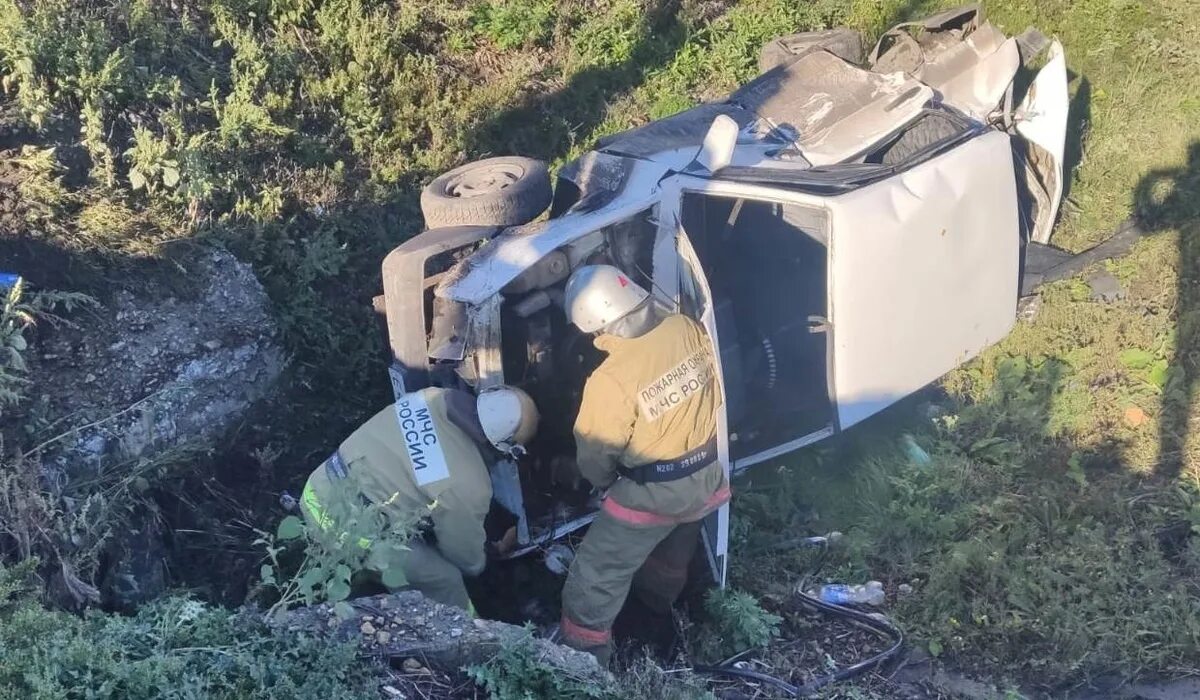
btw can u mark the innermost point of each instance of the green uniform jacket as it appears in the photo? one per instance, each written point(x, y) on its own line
point(411, 454)
point(653, 398)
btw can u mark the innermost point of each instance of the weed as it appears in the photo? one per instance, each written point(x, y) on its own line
point(18, 313)
point(736, 622)
point(351, 538)
point(515, 25)
point(516, 673)
point(646, 679)
point(1021, 556)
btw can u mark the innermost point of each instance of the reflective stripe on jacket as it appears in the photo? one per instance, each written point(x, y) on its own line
point(378, 454)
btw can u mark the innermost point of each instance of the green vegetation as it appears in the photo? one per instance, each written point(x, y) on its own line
point(172, 648)
point(1047, 540)
point(735, 623)
point(517, 673)
point(18, 313)
point(351, 540)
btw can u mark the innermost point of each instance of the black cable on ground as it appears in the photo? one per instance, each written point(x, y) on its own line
point(783, 685)
point(876, 623)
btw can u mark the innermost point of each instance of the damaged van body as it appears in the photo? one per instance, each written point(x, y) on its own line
point(846, 234)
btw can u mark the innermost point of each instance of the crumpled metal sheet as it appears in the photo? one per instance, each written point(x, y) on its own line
point(837, 109)
point(843, 42)
point(973, 74)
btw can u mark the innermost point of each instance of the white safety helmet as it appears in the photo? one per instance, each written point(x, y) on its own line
point(597, 295)
point(508, 416)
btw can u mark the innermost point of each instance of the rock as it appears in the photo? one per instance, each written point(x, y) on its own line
point(139, 376)
point(1135, 416)
point(443, 642)
point(367, 629)
point(1028, 308)
point(162, 368)
point(1105, 287)
point(383, 637)
point(413, 666)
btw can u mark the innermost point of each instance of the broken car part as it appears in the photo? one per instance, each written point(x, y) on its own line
point(505, 191)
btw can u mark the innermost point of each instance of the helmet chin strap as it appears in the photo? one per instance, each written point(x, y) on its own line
point(636, 323)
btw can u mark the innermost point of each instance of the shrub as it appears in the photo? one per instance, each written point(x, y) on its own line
point(18, 312)
point(516, 673)
point(515, 24)
point(736, 622)
point(354, 537)
point(175, 647)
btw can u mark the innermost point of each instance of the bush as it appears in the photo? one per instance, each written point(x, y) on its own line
point(353, 538)
point(173, 648)
point(20, 311)
point(736, 622)
point(516, 673)
point(515, 24)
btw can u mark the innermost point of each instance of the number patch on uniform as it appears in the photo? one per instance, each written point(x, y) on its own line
point(675, 386)
point(335, 467)
point(421, 439)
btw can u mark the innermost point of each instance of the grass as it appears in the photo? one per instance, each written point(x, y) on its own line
point(298, 133)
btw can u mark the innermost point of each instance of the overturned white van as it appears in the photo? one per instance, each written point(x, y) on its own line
point(847, 230)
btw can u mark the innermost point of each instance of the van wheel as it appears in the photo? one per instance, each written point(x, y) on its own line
point(505, 191)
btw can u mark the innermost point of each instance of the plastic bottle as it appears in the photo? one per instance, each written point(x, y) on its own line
point(915, 453)
point(842, 594)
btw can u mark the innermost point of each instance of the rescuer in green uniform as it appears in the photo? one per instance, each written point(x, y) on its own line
point(424, 457)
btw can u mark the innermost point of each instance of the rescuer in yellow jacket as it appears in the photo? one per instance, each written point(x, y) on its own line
point(646, 433)
point(424, 456)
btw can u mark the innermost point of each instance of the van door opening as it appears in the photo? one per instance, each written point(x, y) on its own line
point(767, 266)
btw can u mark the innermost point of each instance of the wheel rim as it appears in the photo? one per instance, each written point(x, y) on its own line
point(486, 179)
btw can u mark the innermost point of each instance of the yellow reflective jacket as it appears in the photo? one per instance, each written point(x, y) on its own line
point(412, 454)
point(653, 398)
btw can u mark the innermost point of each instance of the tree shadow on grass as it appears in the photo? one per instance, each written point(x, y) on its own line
point(1169, 200)
point(1079, 116)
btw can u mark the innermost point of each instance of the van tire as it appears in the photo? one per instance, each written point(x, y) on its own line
point(504, 191)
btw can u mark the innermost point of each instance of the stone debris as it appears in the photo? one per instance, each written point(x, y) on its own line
point(428, 635)
point(169, 364)
point(1105, 287)
point(1135, 417)
point(414, 666)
